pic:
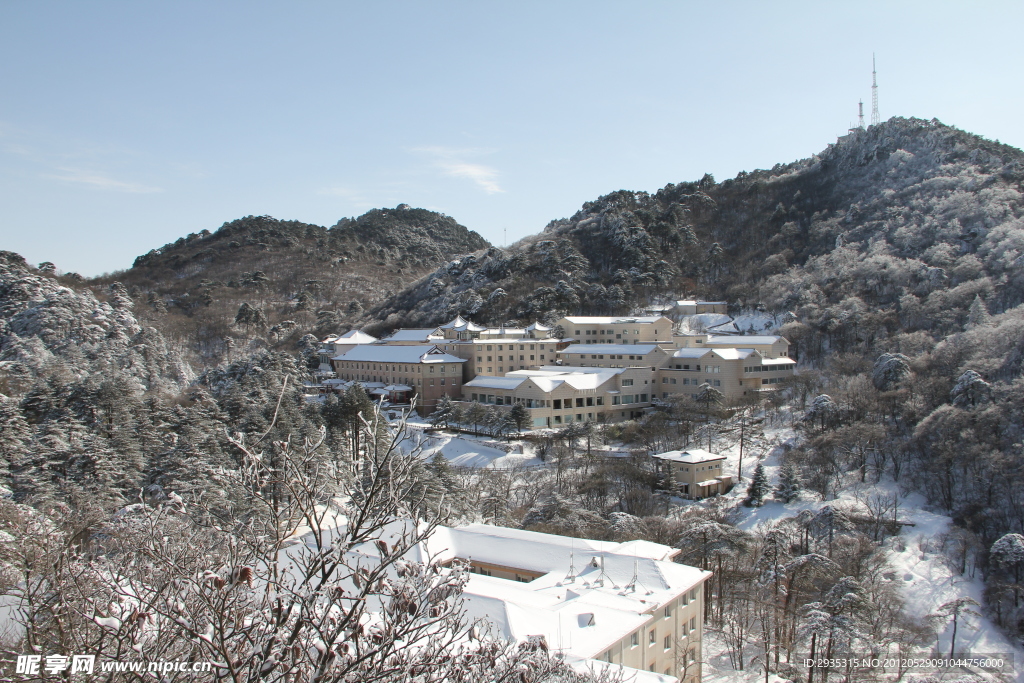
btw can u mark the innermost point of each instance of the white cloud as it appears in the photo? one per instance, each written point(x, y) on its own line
point(100, 181)
point(455, 162)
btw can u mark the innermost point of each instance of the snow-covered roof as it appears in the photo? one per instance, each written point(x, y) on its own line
point(356, 337)
point(550, 377)
point(538, 327)
point(778, 361)
point(397, 387)
point(413, 335)
point(740, 339)
point(691, 302)
point(733, 354)
point(460, 323)
point(709, 482)
point(610, 320)
point(489, 382)
point(589, 595)
point(690, 456)
point(373, 353)
point(631, 349)
point(691, 352)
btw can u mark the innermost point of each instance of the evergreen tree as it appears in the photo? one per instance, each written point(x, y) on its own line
point(442, 414)
point(520, 417)
point(789, 483)
point(978, 315)
point(758, 488)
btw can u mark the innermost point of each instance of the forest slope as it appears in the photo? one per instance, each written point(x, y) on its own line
point(297, 275)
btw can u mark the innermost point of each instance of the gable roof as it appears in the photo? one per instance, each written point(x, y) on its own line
point(631, 349)
point(740, 339)
point(690, 456)
point(611, 320)
point(422, 335)
point(376, 353)
point(355, 336)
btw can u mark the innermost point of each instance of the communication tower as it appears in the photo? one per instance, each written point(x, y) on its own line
point(860, 117)
point(875, 119)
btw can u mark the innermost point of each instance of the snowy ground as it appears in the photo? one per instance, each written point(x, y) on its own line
point(466, 450)
point(922, 571)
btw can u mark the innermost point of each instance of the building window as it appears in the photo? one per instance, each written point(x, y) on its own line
point(627, 382)
point(634, 640)
point(693, 623)
point(668, 611)
point(668, 642)
point(653, 637)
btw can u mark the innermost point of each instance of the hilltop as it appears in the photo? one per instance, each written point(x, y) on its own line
point(298, 275)
point(940, 201)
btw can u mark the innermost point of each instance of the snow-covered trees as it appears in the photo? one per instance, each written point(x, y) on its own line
point(442, 414)
point(314, 580)
point(953, 612)
point(758, 489)
point(789, 483)
point(890, 370)
point(970, 390)
point(823, 413)
point(1007, 554)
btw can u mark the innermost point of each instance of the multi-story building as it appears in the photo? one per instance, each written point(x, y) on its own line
point(695, 473)
point(335, 344)
point(495, 351)
point(558, 395)
point(424, 372)
point(768, 345)
point(617, 330)
point(625, 604)
point(736, 365)
point(616, 355)
point(734, 372)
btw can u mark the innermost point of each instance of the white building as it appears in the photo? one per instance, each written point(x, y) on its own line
point(627, 604)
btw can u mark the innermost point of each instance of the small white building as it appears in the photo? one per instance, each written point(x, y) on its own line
point(695, 472)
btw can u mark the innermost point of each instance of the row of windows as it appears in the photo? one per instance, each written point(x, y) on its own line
point(480, 359)
point(511, 347)
point(403, 380)
point(418, 369)
point(598, 333)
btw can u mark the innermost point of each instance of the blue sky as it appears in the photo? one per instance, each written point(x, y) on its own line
point(125, 125)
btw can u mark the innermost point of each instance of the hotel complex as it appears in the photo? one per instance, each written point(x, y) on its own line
point(603, 369)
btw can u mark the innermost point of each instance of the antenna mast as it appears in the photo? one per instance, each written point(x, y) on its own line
point(875, 119)
point(860, 117)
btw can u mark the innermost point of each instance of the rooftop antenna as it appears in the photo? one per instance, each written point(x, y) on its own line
point(860, 117)
point(875, 119)
point(571, 576)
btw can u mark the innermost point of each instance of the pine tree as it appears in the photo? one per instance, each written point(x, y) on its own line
point(442, 414)
point(520, 417)
point(978, 315)
point(789, 483)
point(758, 488)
